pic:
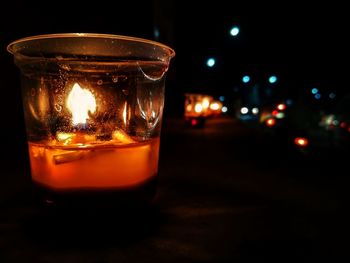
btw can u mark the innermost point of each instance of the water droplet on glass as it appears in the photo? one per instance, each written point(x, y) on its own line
point(115, 79)
point(56, 90)
point(58, 107)
point(32, 92)
point(126, 92)
point(100, 82)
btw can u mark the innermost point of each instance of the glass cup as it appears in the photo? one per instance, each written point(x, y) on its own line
point(93, 107)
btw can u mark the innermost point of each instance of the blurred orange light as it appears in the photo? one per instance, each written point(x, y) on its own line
point(270, 122)
point(302, 142)
point(281, 106)
point(198, 108)
point(214, 106)
point(205, 103)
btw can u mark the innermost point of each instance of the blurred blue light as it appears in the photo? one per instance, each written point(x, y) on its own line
point(246, 79)
point(211, 62)
point(317, 96)
point(314, 91)
point(156, 33)
point(234, 31)
point(289, 102)
point(332, 95)
point(222, 98)
point(272, 79)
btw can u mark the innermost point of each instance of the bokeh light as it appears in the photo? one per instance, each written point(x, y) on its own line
point(234, 31)
point(273, 79)
point(246, 79)
point(211, 62)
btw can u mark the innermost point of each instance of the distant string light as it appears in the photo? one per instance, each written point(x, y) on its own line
point(156, 33)
point(234, 31)
point(281, 106)
point(273, 79)
point(314, 91)
point(224, 109)
point(222, 98)
point(270, 122)
point(246, 79)
point(244, 110)
point(301, 142)
point(317, 96)
point(211, 62)
point(332, 95)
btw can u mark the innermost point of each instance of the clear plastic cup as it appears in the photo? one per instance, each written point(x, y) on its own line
point(93, 107)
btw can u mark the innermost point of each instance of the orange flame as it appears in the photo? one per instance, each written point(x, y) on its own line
point(80, 102)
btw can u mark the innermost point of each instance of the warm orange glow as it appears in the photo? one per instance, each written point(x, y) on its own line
point(124, 113)
point(214, 106)
point(80, 102)
point(270, 122)
point(205, 103)
point(198, 108)
point(106, 166)
point(281, 106)
point(73, 139)
point(121, 137)
point(197, 105)
point(302, 142)
point(65, 138)
point(61, 136)
point(81, 161)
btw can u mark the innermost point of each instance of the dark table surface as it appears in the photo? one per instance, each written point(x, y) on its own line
point(225, 194)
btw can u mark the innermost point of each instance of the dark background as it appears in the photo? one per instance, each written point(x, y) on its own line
point(304, 44)
point(244, 198)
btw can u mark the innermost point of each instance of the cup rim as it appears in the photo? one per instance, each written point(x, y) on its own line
point(10, 47)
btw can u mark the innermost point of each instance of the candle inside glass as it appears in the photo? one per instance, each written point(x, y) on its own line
point(110, 166)
point(93, 107)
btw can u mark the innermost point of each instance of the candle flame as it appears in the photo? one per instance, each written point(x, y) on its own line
point(80, 102)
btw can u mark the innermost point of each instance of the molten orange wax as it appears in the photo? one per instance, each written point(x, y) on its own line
point(100, 166)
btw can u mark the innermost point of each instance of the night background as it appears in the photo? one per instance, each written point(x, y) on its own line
point(241, 185)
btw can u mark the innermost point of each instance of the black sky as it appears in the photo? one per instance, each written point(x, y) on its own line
point(305, 43)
